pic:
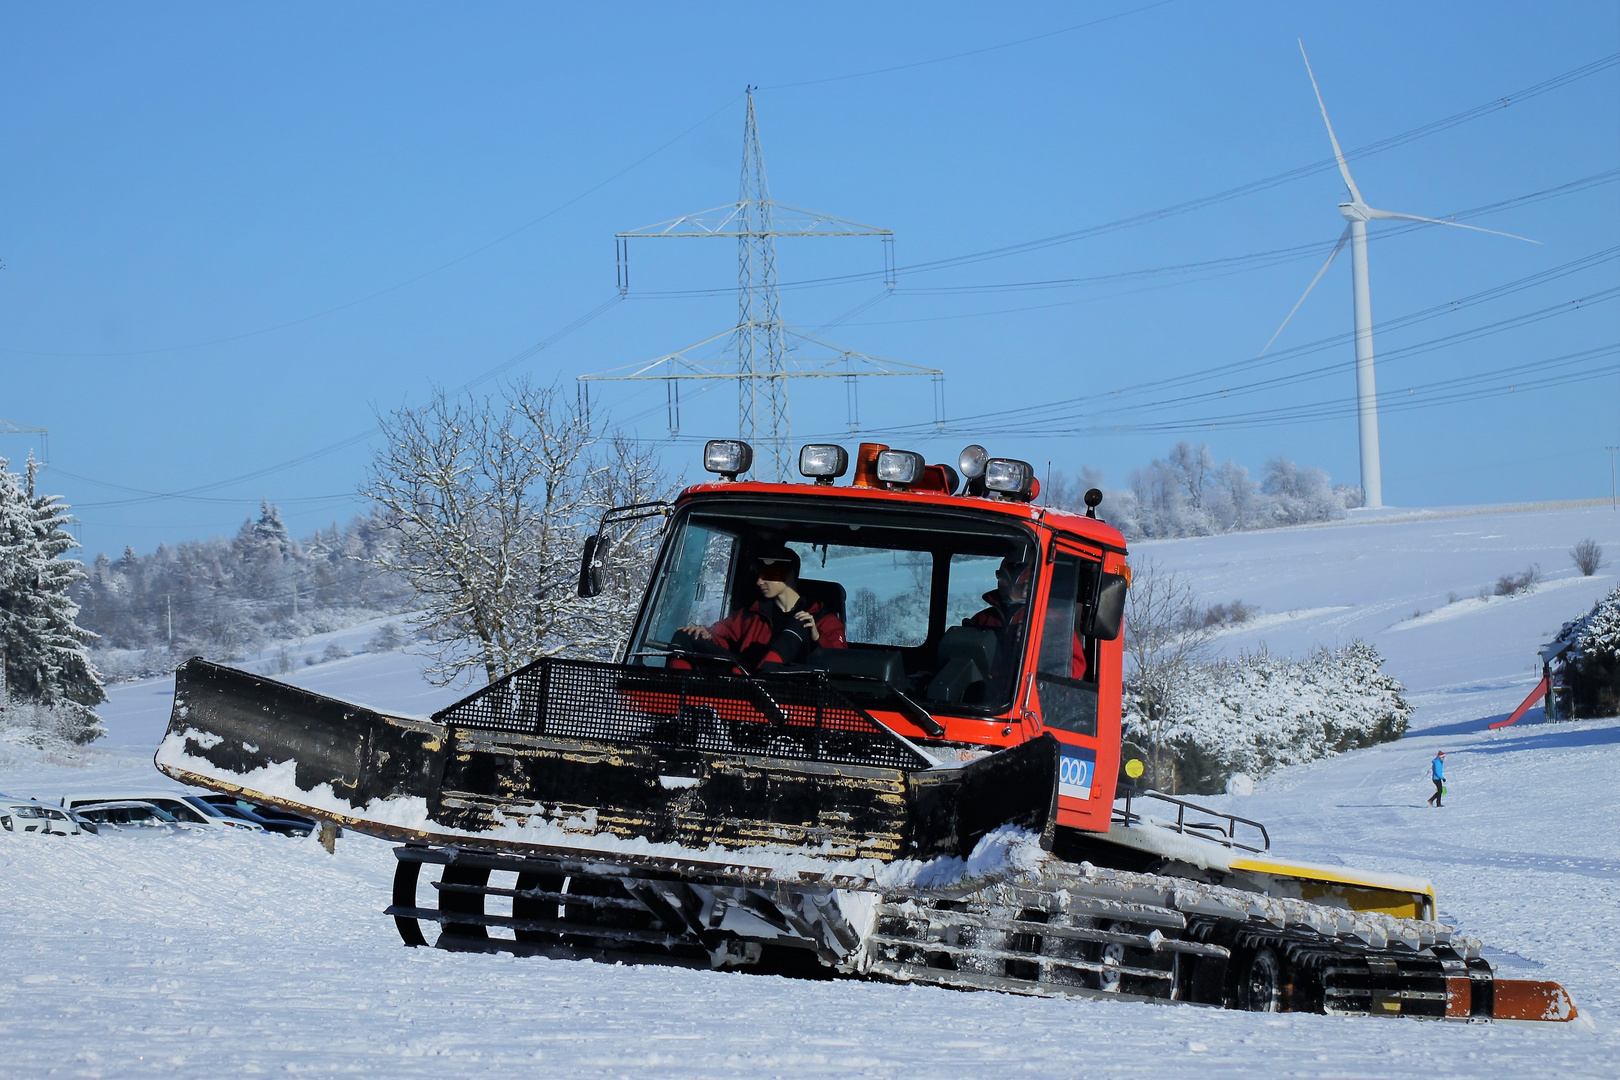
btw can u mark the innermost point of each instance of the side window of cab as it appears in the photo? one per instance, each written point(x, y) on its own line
point(1064, 675)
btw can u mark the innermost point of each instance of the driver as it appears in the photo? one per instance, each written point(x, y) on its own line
point(782, 626)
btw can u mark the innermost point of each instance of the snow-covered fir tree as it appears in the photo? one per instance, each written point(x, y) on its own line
point(42, 646)
point(1591, 667)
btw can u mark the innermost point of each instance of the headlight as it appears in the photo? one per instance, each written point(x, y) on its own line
point(1009, 477)
point(900, 467)
point(824, 461)
point(728, 457)
point(971, 461)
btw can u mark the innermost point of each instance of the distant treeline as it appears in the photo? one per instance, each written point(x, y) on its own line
point(1189, 494)
point(226, 597)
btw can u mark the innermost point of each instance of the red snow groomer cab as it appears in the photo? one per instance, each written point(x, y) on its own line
point(868, 727)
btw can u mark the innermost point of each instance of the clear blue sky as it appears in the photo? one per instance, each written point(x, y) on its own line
point(231, 233)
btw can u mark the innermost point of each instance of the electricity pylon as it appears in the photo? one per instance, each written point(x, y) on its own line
point(9, 427)
point(762, 351)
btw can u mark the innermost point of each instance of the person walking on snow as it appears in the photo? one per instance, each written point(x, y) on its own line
point(1437, 772)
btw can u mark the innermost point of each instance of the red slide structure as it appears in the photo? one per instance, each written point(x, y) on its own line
point(1524, 706)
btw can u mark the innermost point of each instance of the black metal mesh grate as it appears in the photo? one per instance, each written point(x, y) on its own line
point(795, 716)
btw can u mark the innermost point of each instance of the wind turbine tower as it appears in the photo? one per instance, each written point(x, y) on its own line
point(1356, 214)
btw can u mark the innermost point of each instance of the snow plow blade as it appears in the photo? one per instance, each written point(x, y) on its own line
point(1531, 999)
point(568, 755)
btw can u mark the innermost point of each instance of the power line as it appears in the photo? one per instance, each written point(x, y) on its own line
point(1147, 217)
point(1042, 413)
point(1335, 408)
point(1431, 345)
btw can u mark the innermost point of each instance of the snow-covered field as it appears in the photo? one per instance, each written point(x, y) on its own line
point(209, 956)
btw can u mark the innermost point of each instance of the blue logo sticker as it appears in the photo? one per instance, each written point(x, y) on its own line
point(1075, 769)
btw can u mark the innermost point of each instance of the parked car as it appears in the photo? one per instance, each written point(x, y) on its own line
point(277, 821)
point(120, 814)
point(32, 816)
point(182, 806)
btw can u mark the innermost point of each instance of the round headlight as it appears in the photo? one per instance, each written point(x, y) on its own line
point(970, 462)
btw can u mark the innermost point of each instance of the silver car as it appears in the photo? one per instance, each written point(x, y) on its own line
point(183, 807)
point(122, 814)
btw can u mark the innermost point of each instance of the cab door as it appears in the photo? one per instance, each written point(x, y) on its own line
point(1076, 689)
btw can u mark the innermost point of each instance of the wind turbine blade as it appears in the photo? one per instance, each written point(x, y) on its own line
point(1331, 256)
point(1344, 167)
point(1390, 215)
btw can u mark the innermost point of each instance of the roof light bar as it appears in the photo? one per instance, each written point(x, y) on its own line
point(728, 457)
point(1010, 478)
point(901, 467)
point(824, 461)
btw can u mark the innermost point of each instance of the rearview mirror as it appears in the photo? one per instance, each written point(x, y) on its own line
point(1108, 609)
point(590, 571)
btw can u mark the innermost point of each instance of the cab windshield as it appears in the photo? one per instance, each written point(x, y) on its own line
point(931, 604)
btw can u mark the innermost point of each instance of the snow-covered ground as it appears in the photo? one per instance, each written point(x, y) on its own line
point(208, 956)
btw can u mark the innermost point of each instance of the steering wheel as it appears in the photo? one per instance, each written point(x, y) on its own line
point(706, 651)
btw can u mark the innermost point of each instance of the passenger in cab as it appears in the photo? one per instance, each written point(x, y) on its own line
point(782, 626)
point(1009, 603)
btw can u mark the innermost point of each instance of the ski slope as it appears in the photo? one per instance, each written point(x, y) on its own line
point(208, 956)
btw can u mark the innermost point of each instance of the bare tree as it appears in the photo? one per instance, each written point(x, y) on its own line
point(1166, 640)
point(1192, 466)
point(491, 498)
point(621, 474)
point(1587, 556)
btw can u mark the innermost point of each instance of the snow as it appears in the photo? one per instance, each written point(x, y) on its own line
point(206, 955)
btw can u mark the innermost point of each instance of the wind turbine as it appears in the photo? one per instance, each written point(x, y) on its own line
point(1357, 213)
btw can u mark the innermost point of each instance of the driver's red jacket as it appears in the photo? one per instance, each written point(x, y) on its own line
point(749, 631)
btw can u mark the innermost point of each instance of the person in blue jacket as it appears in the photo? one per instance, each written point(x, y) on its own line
point(1437, 772)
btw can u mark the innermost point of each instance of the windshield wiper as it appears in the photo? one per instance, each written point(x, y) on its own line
point(909, 707)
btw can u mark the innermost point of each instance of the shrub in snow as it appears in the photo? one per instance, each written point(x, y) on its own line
point(1260, 712)
point(48, 727)
point(1587, 556)
point(1299, 495)
point(1522, 582)
point(1226, 614)
point(334, 651)
point(387, 638)
point(1591, 666)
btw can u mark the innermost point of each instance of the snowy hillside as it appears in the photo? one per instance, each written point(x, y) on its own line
point(206, 956)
